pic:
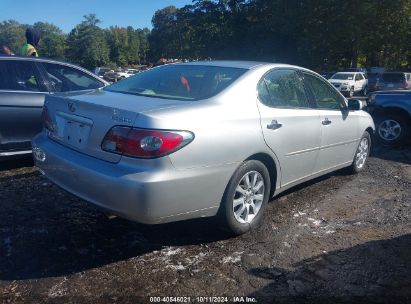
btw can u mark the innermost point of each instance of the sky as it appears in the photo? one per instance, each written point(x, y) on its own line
point(66, 14)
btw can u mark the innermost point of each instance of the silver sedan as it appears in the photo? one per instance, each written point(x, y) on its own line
point(200, 139)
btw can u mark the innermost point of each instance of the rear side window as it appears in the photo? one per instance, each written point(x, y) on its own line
point(282, 88)
point(181, 82)
point(20, 76)
point(393, 77)
point(324, 94)
point(64, 78)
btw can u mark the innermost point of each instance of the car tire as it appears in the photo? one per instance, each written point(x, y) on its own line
point(351, 92)
point(361, 154)
point(392, 129)
point(244, 202)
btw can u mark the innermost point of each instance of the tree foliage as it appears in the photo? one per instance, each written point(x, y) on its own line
point(87, 44)
point(319, 34)
point(314, 33)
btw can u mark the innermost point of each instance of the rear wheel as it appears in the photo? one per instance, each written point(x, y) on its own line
point(362, 153)
point(245, 197)
point(392, 129)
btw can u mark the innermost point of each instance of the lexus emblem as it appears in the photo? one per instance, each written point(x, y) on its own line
point(71, 107)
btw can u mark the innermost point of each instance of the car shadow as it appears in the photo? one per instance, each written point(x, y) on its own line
point(56, 237)
point(373, 272)
point(400, 154)
point(16, 163)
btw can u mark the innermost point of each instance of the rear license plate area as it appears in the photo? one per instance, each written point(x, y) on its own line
point(73, 130)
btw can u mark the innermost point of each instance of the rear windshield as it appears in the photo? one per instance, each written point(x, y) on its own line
point(343, 76)
point(181, 82)
point(393, 77)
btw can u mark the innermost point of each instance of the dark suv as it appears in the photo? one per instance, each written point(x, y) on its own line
point(24, 83)
point(393, 81)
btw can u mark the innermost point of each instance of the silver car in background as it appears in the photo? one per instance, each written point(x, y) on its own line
point(200, 139)
point(24, 83)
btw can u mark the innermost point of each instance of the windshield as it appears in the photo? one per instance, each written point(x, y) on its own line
point(343, 76)
point(182, 82)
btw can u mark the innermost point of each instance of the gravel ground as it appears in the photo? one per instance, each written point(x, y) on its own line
point(337, 239)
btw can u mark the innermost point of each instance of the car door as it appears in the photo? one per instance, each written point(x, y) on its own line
point(64, 78)
point(291, 128)
point(339, 128)
point(22, 93)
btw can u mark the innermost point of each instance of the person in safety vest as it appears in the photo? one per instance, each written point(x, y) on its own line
point(33, 37)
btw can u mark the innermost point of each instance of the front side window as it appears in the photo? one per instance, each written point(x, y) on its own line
point(324, 94)
point(64, 78)
point(19, 76)
point(180, 82)
point(282, 88)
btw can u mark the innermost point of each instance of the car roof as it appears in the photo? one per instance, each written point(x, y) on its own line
point(29, 58)
point(227, 63)
point(249, 65)
point(395, 73)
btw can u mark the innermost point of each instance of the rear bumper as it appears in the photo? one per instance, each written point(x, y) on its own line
point(143, 193)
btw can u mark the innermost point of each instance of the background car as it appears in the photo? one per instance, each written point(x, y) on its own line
point(349, 83)
point(391, 111)
point(373, 80)
point(125, 73)
point(393, 81)
point(24, 83)
point(183, 141)
point(100, 71)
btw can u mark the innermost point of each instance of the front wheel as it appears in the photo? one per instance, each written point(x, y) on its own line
point(245, 197)
point(361, 154)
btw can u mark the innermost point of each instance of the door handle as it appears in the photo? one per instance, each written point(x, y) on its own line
point(326, 121)
point(274, 125)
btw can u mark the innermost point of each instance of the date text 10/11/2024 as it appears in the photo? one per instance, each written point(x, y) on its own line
point(203, 300)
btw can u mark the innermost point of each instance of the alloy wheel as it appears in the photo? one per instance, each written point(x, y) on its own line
point(362, 153)
point(248, 197)
point(389, 130)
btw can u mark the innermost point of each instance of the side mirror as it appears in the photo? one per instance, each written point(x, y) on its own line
point(354, 104)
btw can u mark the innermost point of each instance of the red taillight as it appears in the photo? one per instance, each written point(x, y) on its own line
point(46, 119)
point(144, 143)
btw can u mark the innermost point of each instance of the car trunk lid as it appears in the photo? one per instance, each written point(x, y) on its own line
point(82, 121)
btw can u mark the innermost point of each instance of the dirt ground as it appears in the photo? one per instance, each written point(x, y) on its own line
point(338, 239)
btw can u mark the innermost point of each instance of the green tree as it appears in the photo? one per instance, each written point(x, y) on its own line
point(87, 45)
point(12, 34)
point(53, 41)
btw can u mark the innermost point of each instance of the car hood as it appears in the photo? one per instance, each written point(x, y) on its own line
point(338, 81)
